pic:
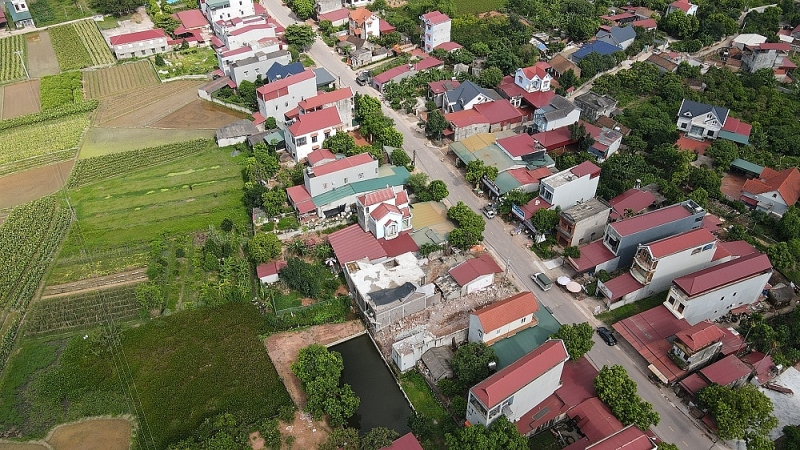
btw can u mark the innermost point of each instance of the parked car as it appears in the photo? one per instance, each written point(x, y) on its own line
point(490, 211)
point(542, 280)
point(362, 78)
point(607, 335)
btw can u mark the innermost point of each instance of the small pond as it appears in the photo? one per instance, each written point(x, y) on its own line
point(382, 402)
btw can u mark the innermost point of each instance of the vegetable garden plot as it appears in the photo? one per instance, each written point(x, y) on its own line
point(28, 141)
point(114, 107)
point(117, 79)
point(86, 309)
point(79, 45)
point(10, 62)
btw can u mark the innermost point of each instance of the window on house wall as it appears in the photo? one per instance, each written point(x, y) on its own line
point(300, 141)
point(314, 139)
point(524, 319)
point(681, 307)
point(346, 180)
point(361, 175)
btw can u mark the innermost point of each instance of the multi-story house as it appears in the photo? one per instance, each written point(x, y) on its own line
point(571, 186)
point(503, 319)
point(435, 30)
point(384, 213)
point(275, 99)
point(215, 10)
point(19, 12)
point(689, 9)
point(309, 131)
point(700, 120)
point(712, 292)
point(518, 388)
point(594, 105)
point(340, 99)
point(250, 68)
point(364, 24)
point(465, 96)
point(534, 78)
point(326, 6)
point(326, 177)
point(696, 345)
point(559, 112)
point(622, 238)
point(583, 223)
point(772, 192)
point(657, 263)
point(139, 44)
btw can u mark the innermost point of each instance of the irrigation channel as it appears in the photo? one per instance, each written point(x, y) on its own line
point(383, 404)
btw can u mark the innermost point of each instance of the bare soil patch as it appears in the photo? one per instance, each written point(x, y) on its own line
point(200, 114)
point(307, 432)
point(732, 184)
point(94, 434)
point(96, 284)
point(22, 446)
point(26, 186)
point(143, 107)
point(41, 56)
point(102, 141)
point(284, 347)
point(20, 99)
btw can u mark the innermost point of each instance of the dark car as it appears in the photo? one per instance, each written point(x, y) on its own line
point(607, 335)
point(362, 78)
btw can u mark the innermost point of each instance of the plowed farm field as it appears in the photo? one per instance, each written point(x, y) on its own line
point(118, 79)
point(126, 103)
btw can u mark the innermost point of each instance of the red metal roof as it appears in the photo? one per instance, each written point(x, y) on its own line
point(537, 70)
point(738, 248)
point(680, 242)
point(471, 269)
point(325, 98)
point(693, 383)
point(405, 442)
point(238, 51)
point(762, 364)
point(586, 168)
point(723, 274)
point(375, 197)
point(538, 99)
point(726, 371)
point(683, 5)
point(635, 200)
point(258, 118)
point(711, 222)
point(385, 27)
point(647, 332)
point(383, 209)
point(390, 74)
point(270, 268)
point(779, 46)
point(646, 24)
point(511, 379)
point(216, 42)
point(649, 220)
point(315, 121)
point(505, 311)
point(353, 243)
point(622, 286)
point(449, 46)
point(301, 199)
point(592, 254)
point(271, 90)
point(191, 18)
point(518, 145)
point(465, 118)
point(700, 335)
point(403, 243)
point(339, 164)
point(629, 438)
point(736, 126)
point(316, 156)
point(500, 111)
point(595, 419)
point(440, 87)
point(435, 17)
point(553, 139)
point(249, 28)
point(128, 38)
point(527, 176)
point(427, 63)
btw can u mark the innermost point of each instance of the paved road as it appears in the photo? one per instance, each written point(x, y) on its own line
point(674, 426)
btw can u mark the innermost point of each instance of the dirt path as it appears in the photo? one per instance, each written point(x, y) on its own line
point(41, 56)
point(97, 283)
point(23, 187)
point(283, 349)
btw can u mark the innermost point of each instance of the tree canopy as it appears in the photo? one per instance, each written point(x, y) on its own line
point(469, 226)
point(615, 388)
point(577, 338)
point(301, 36)
point(264, 247)
point(740, 413)
point(319, 370)
point(501, 434)
point(471, 364)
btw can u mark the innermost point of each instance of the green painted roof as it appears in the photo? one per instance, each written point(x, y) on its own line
point(17, 16)
point(214, 4)
point(546, 161)
point(491, 155)
point(738, 138)
point(506, 182)
point(510, 349)
point(747, 166)
point(391, 176)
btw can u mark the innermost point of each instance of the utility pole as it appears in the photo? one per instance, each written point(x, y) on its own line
point(19, 53)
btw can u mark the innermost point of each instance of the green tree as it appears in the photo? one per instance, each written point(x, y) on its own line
point(264, 247)
point(480, 49)
point(583, 29)
point(378, 438)
point(577, 338)
point(740, 413)
point(780, 255)
point(667, 446)
point(391, 137)
point(792, 433)
point(723, 152)
point(501, 434)
point(417, 182)
point(226, 225)
point(159, 60)
point(789, 224)
point(679, 24)
point(301, 36)
point(490, 77)
point(342, 143)
point(437, 190)
point(615, 388)
point(544, 220)
point(319, 370)
point(568, 79)
point(400, 158)
point(471, 364)
point(274, 201)
point(149, 296)
point(700, 196)
point(435, 124)
point(311, 280)
point(342, 439)
point(476, 170)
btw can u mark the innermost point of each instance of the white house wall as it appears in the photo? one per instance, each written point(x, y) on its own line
point(482, 282)
point(715, 304)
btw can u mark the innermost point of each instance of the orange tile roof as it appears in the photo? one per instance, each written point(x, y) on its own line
point(700, 335)
point(376, 197)
point(507, 310)
point(360, 15)
point(786, 182)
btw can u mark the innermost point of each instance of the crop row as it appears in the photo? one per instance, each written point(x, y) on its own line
point(7, 343)
point(115, 79)
point(89, 170)
point(70, 51)
point(29, 238)
point(125, 103)
point(80, 310)
point(94, 42)
point(50, 114)
point(10, 62)
point(59, 90)
point(35, 140)
point(36, 161)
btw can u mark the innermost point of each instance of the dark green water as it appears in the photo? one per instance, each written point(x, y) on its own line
point(382, 402)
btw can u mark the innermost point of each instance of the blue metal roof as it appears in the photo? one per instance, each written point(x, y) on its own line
point(278, 71)
point(603, 48)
